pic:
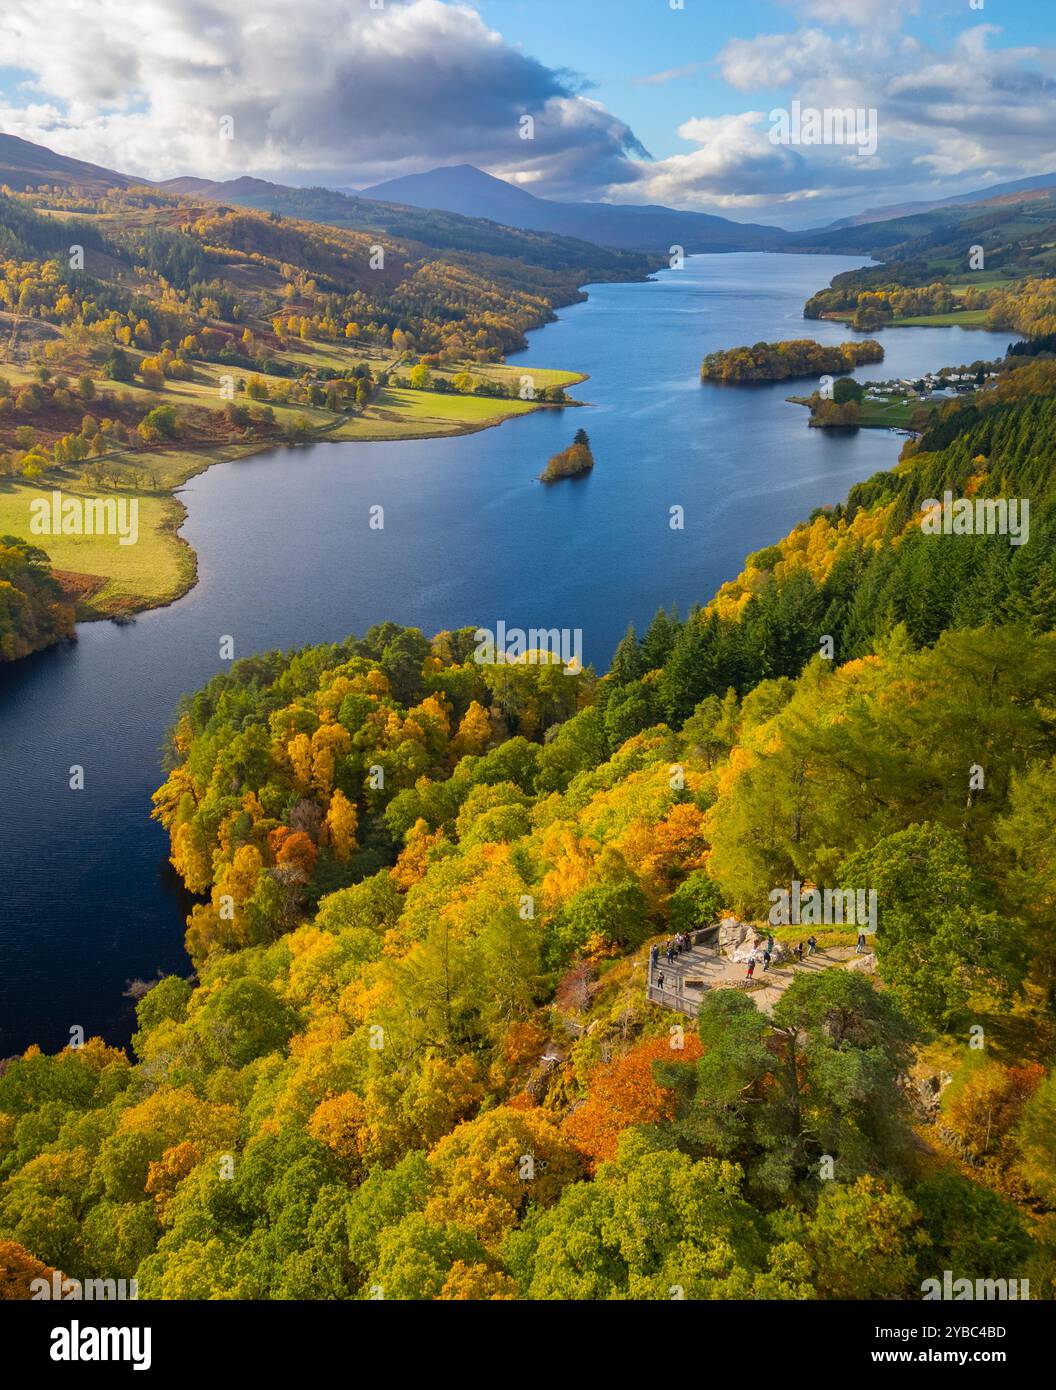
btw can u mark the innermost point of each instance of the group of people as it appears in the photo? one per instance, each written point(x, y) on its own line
point(675, 946)
point(753, 957)
point(681, 942)
point(768, 954)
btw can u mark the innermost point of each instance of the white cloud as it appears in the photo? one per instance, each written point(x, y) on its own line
point(973, 112)
point(735, 165)
point(315, 89)
point(660, 79)
point(343, 94)
point(858, 14)
point(777, 60)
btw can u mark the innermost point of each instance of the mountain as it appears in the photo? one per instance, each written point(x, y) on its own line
point(567, 260)
point(431, 228)
point(999, 222)
point(189, 186)
point(1019, 190)
point(464, 189)
point(25, 165)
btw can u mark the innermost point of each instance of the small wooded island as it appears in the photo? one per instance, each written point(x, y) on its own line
point(570, 462)
point(792, 357)
point(841, 410)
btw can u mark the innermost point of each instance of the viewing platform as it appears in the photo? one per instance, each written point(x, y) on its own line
point(703, 967)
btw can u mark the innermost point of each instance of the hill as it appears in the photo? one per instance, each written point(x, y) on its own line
point(996, 223)
point(1018, 189)
point(465, 189)
point(418, 1056)
point(25, 165)
point(195, 329)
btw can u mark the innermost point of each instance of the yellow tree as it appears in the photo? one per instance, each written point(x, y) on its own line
point(190, 857)
point(18, 1270)
point(329, 742)
point(299, 751)
point(477, 1283)
point(336, 1122)
point(488, 1170)
point(341, 821)
point(473, 733)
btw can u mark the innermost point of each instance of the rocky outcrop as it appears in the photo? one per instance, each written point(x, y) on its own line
point(865, 964)
point(738, 940)
point(751, 943)
point(732, 933)
point(927, 1091)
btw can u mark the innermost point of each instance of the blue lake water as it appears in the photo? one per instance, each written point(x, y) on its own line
point(286, 557)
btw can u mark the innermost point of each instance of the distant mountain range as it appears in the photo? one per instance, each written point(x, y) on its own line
point(1020, 190)
point(464, 189)
point(25, 165)
point(460, 207)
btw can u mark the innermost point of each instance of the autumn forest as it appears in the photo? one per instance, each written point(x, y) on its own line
point(654, 950)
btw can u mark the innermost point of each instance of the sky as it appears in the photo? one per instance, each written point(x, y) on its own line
point(637, 101)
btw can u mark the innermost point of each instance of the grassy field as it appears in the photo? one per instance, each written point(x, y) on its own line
point(110, 579)
point(437, 406)
point(962, 318)
point(888, 414)
point(508, 376)
point(877, 414)
point(113, 578)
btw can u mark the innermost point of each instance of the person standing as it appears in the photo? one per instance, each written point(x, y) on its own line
point(812, 944)
point(861, 944)
point(799, 952)
point(751, 966)
point(766, 960)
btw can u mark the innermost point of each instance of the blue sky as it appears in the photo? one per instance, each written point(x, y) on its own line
point(616, 43)
point(631, 100)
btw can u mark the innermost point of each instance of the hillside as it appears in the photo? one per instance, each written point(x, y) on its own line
point(947, 230)
point(467, 190)
point(24, 165)
point(417, 1056)
point(181, 331)
point(982, 265)
point(1037, 186)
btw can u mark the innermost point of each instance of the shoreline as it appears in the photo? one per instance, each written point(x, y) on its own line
point(111, 596)
point(164, 528)
point(210, 459)
point(237, 452)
